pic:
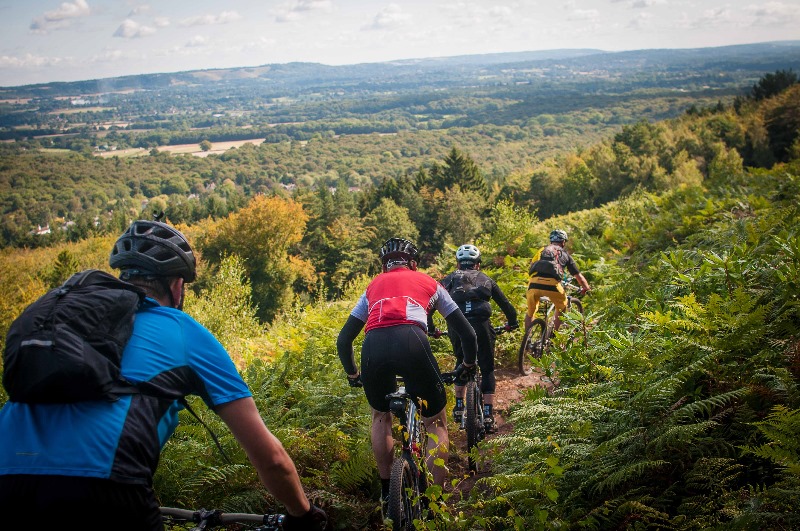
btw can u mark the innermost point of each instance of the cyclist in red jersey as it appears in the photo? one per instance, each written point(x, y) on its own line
point(394, 310)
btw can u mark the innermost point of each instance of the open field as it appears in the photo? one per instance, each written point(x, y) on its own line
point(193, 149)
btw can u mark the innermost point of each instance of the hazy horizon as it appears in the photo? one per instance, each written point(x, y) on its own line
point(51, 41)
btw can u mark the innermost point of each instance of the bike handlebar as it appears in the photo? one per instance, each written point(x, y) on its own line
point(497, 330)
point(212, 518)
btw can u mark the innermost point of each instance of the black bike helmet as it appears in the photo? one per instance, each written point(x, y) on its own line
point(558, 235)
point(399, 250)
point(468, 253)
point(153, 248)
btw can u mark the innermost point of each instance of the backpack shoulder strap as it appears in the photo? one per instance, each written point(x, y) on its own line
point(185, 403)
point(124, 387)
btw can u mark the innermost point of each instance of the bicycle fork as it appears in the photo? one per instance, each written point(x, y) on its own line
point(406, 411)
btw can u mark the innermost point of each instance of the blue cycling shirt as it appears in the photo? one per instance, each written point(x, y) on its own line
point(122, 440)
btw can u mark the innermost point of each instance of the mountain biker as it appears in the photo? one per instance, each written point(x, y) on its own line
point(93, 462)
point(394, 310)
point(475, 304)
point(546, 282)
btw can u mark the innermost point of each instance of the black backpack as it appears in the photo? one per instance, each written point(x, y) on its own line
point(549, 263)
point(67, 345)
point(463, 286)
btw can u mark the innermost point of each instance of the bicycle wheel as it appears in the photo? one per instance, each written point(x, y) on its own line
point(474, 423)
point(576, 304)
point(532, 345)
point(404, 496)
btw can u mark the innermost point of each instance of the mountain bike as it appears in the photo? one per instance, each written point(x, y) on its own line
point(536, 339)
point(175, 519)
point(409, 477)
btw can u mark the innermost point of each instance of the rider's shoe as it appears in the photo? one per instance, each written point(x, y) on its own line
point(489, 424)
point(458, 414)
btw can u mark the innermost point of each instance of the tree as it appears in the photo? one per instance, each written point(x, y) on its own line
point(773, 84)
point(205, 145)
point(458, 169)
point(262, 234)
point(461, 216)
point(390, 220)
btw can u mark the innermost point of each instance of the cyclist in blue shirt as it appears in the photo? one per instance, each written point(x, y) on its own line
point(93, 462)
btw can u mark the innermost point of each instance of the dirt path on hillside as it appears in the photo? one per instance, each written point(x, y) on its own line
point(510, 388)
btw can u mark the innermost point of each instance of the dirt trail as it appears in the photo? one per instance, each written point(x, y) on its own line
point(510, 388)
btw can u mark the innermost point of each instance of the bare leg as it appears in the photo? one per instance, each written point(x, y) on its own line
point(382, 442)
point(437, 449)
point(488, 399)
point(459, 391)
point(557, 320)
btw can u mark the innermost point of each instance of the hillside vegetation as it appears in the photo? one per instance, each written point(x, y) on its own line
point(681, 411)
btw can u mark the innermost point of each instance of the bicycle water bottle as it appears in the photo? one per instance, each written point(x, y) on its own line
point(469, 307)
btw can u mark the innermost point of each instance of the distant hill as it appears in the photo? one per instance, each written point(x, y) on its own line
point(463, 70)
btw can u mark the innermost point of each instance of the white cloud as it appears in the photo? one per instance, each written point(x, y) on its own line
point(774, 14)
point(197, 40)
point(640, 21)
point(312, 5)
point(130, 29)
point(110, 56)
point(390, 17)
point(638, 4)
point(209, 20)
point(584, 14)
point(161, 22)
point(60, 18)
point(29, 61)
point(139, 10)
point(293, 11)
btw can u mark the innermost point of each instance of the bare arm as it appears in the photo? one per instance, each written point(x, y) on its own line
point(583, 282)
point(275, 468)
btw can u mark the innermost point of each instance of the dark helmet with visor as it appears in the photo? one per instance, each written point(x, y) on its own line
point(398, 250)
point(155, 249)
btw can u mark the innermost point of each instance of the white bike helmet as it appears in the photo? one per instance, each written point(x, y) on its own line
point(468, 253)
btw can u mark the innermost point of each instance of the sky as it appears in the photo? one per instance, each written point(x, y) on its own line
point(50, 40)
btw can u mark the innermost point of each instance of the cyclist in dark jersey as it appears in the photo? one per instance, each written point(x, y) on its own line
point(394, 310)
point(92, 463)
point(475, 304)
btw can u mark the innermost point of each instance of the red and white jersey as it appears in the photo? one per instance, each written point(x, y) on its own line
point(402, 296)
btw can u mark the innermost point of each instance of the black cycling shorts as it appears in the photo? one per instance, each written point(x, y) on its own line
point(401, 350)
point(30, 501)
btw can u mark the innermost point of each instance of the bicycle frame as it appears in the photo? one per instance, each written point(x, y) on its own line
point(408, 481)
point(536, 339)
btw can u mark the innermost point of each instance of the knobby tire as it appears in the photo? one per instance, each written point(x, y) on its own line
point(533, 342)
point(404, 495)
point(474, 421)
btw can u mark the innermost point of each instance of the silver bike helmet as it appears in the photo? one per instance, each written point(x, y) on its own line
point(558, 235)
point(468, 253)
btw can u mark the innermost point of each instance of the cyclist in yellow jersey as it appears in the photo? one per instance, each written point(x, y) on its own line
point(546, 273)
